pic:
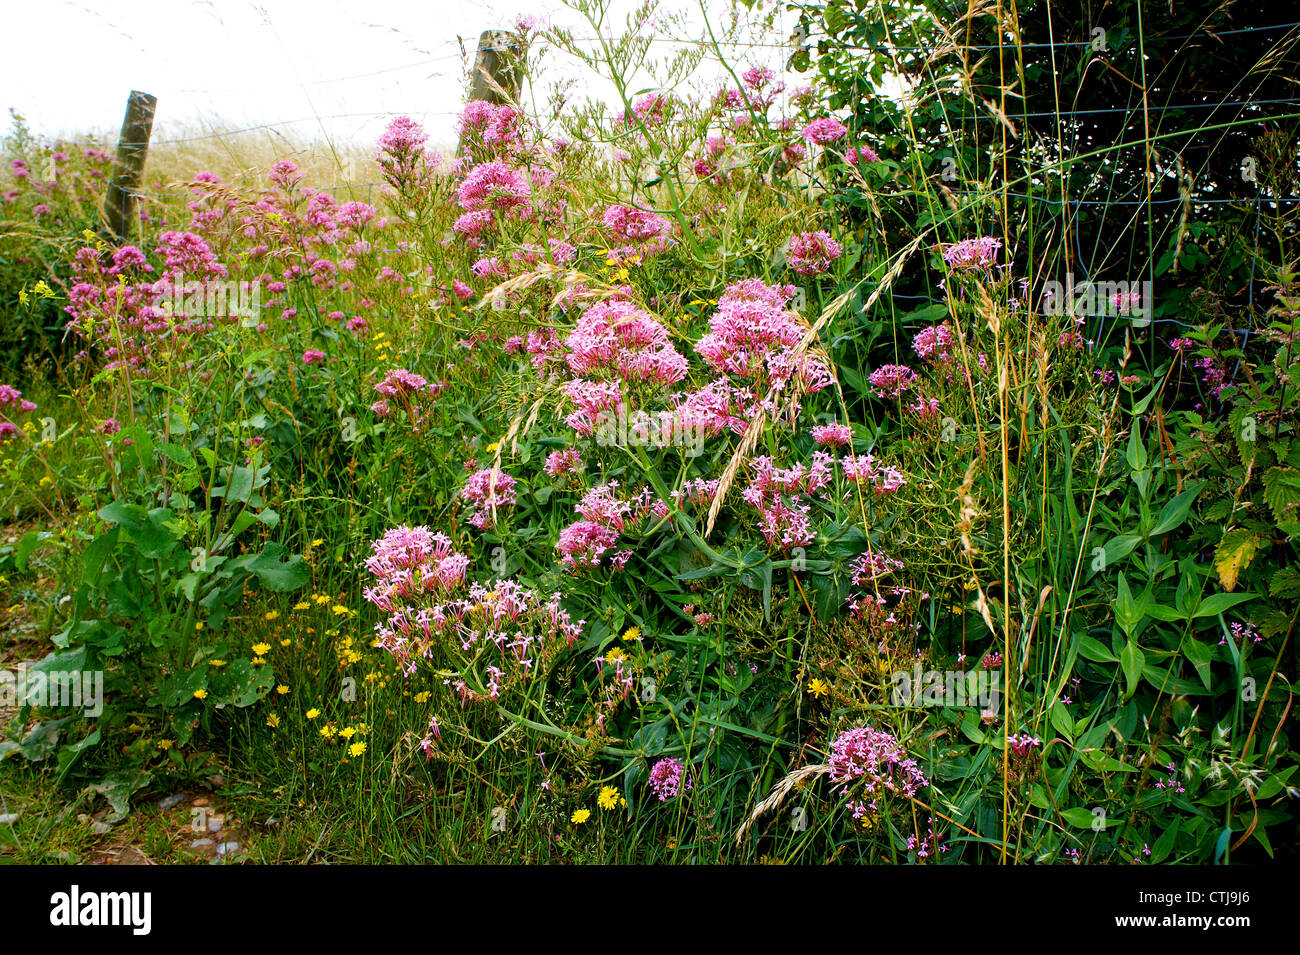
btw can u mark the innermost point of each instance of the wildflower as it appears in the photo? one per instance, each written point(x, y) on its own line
point(580, 816)
point(273, 721)
point(165, 744)
point(832, 435)
point(632, 633)
point(356, 749)
point(200, 694)
point(313, 713)
point(972, 254)
point(669, 778)
point(271, 614)
point(811, 253)
point(608, 798)
point(824, 130)
point(261, 649)
point(818, 688)
point(871, 760)
point(282, 689)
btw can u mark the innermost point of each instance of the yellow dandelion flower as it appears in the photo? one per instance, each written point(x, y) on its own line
point(285, 642)
point(580, 816)
point(356, 749)
point(632, 633)
point(270, 614)
point(317, 542)
point(608, 798)
point(273, 721)
point(613, 654)
point(282, 689)
point(258, 661)
point(818, 688)
point(347, 732)
point(164, 744)
point(422, 697)
point(328, 731)
point(302, 605)
point(199, 625)
point(261, 649)
point(320, 598)
point(200, 694)
point(216, 663)
point(313, 713)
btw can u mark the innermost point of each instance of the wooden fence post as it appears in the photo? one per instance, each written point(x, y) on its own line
point(498, 70)
point(128, 167)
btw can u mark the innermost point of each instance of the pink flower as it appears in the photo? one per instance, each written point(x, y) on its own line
point(488, 490)
point(493, 185)
point(311, 356)
point(890, 381)
point(811, 253)
point(972, 254)
point(866, 762)
point(824, 130)
point(833, 435)
point(669, 778)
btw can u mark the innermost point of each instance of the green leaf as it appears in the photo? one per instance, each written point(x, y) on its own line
point(1217, 603)
point(118, 788)
point(1282, 493)
point(272, 572)
point(1131, 661)
point(1095, 650)
point(1175, 512)
point(1079, 817)
point(31, 540)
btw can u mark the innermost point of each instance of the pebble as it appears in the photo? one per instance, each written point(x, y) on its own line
point(8, 819)
point(200, 843)
point(171, 802)
point(201, 801)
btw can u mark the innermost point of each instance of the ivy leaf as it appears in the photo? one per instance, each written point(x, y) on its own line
point(1234, 554)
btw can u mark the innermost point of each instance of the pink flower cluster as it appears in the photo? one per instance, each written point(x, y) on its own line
point(487, 491)
point(890, 381)
point(605, 516)
point(669, 778)
point(832, 435)
point(866, 762)
point(12, 398)
point(934, 343)
point(970, 255)
point(418, 579)
point(776, 493)
point(811, 253)
point(752, 337)
point(864, 469)
point(824, 131)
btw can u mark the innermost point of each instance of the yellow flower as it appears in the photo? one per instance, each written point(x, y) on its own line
point(614, 653)
point(200, 694)
point(302, 605)
point(356, 749)
point(327, 731)
point(313, 713)
point(818, 688)
point(317, 542)
point(321, 598)
point(340, 610)
point(608, 798)
point(216, 663)
point(422, 697)
point(494, 445)
point(580, 816)
point(261, 649)
point(258, 661)
point(282, 689)
point(273, 721)
point(199, 625)
point(285, 642)
point(632, 633)
point(271, 614)
point(347, 732)
point(164, 744)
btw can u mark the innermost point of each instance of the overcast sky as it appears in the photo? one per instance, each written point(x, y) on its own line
point(339, 68)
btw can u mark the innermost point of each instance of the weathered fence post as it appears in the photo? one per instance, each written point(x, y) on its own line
point(498, 67)
point(498, 70)
point(128, 167)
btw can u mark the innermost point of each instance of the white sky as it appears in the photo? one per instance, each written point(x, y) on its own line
point(338, 69)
